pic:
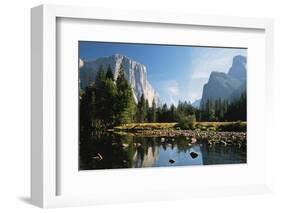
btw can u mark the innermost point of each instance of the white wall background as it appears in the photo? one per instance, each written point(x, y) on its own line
point(15, 104)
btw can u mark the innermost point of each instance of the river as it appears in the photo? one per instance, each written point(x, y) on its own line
point(113, 151)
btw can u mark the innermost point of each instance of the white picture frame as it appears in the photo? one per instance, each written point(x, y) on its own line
point(44, 154)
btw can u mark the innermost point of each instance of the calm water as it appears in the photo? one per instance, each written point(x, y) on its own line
point(113, 151)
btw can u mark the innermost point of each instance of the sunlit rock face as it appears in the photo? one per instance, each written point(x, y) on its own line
point(135, 73)
point(227, 85)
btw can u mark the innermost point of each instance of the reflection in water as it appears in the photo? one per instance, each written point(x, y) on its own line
point(111, 151)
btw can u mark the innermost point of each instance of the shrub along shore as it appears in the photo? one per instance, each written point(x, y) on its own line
point(226, 133)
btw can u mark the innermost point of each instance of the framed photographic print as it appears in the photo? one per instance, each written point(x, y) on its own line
point(132, 106)
point(171, 109)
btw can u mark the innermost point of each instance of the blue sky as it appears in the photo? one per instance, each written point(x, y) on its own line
point(176, 72)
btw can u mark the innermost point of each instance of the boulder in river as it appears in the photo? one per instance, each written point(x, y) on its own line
point(172, 161)
point(193, 140)
point(193, 155)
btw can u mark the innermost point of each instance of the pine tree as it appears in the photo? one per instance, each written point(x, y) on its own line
point(86, 114)
point(220, 110)
point(147, 114)
point(237, 109)
point(110, 94)
point(164, 113)
point(212, 111)
point(243, 107)
point(109, 73)
point(225, 108)
point(101, 76)
point(100, 100)
point(153, 112)
point(216, 106)
point(141, 110)
point(125, 102)
point(172, 113)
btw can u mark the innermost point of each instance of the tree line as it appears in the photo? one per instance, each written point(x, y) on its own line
point(108, 102)
point(224, 110)
point(211, 110)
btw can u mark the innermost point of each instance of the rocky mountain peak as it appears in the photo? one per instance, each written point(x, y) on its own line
point(238, 68)
point(227, 85)
point(135, 73)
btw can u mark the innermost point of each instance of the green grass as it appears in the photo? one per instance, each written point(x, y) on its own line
point(145, 126)
point(239, 126)
point(212, 126)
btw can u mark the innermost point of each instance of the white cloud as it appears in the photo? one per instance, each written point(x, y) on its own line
point(206, 60)
point(172, 89)
point(169, 90)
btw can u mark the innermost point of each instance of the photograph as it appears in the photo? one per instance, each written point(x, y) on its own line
point(160, 105)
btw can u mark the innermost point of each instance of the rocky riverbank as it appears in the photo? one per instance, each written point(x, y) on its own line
point(193, 136)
